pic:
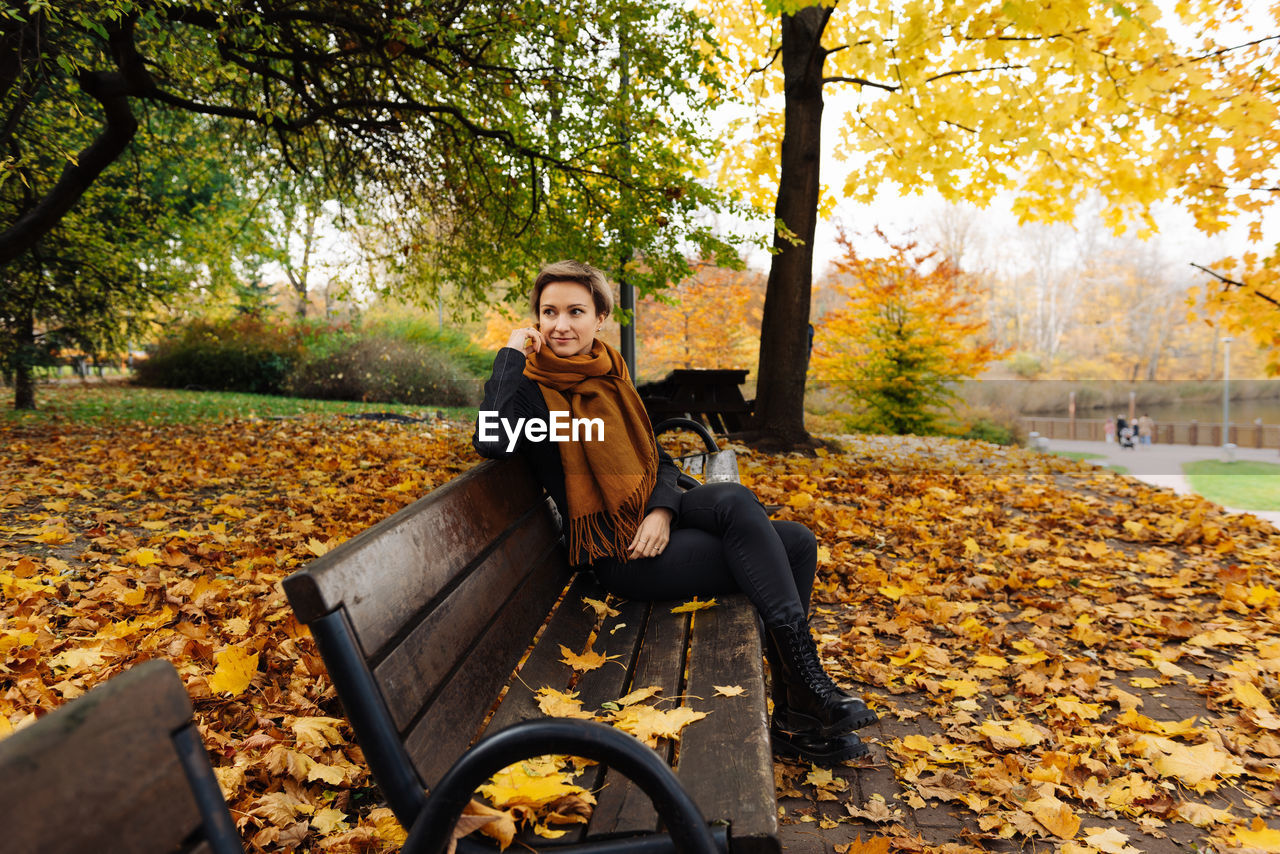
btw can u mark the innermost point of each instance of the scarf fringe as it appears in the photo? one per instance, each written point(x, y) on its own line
point(587, 533)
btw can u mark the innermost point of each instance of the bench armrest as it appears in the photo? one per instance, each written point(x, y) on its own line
point(689, 832)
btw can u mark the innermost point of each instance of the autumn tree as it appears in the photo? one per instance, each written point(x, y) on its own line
point(1055, 101)
point(907, 333)
point(502, 120)
point(709, 320)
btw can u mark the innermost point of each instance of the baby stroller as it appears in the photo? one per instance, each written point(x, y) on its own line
point(1127, 434)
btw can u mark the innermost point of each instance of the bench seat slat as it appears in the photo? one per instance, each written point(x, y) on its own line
point(436, 740)
point(622, 807)
point(414, 668)
point(571, 626)
point(384, 575)
point(727, 755)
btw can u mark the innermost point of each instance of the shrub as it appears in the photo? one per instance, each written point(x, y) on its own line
point(450, 341)
point(245, 354)
point(990, 425)
point(385, 370)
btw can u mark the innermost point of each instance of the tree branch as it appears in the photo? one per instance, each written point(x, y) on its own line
point(1226, 50)
point(975, 71)
point(112, 90)
point(861, 82)
point(1233, 283)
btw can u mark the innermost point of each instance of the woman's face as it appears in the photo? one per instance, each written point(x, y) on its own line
point(567, 318)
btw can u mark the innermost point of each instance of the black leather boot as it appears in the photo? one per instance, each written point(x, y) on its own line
point(805, 701)
point(817, 749)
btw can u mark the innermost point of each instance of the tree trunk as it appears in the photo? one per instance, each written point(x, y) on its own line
point(24, 384)
point(779, 407)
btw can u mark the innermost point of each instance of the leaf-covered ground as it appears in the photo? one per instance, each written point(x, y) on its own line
point(1063, 658)
point(1030, 631)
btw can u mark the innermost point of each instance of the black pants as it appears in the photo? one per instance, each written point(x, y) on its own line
point(724, 542)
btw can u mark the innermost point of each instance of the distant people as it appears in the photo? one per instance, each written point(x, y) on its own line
point(1109, 430)
point(1125, 431)
point(1146, 429)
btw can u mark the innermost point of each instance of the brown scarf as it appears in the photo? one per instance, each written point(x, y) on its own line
point(608, 482)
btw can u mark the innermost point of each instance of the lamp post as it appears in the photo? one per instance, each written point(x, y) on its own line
point(1226, 394)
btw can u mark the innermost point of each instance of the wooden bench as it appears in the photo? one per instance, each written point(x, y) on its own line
point(120, 768)
point(423, 619)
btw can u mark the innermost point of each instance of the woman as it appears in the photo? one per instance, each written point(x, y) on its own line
point(630, 523)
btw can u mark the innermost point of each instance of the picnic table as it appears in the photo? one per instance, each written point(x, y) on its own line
point(710, 395)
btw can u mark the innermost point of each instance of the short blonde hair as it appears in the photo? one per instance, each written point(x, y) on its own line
point(574, 271)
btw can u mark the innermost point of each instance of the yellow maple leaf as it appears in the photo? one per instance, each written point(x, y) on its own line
point(331, 774)
point(693, 605)
point(1247, 694)
point(78, 659)
point(1259, 836)
point(800, 500)
point(1195, 766)
point(1260, 596)
point(317, 731)
point(729, 690)
point(329, 820)
point(1056, 816)
point(602, 609)
point(532, 784)
point(586, 660)
point(819, 777)
point(54, 536)
point(1109, 841)
point(561, 704)
point(1202, 815)
point(639, 695)
point(873, 845)
point(494, 823)
point(234, 672)
point(387, 827)
point(318, 548)
point(1017, 733)
point(650, 724)
point(1134, 720)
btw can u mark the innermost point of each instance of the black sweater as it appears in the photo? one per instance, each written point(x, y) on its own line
point(513, 395)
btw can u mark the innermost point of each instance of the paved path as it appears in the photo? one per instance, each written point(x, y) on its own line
point(1161, 465)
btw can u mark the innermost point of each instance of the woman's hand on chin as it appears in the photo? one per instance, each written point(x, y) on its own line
point(652, 535)
point(526, 339)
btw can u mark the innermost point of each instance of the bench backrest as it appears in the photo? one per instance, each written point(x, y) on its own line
point(422, 618)
point(120, 768)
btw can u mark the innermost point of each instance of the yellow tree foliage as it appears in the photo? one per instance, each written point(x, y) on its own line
point(908, 330)
point(711, 321)
point(1054, 101)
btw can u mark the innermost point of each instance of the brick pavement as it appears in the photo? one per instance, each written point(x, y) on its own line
point(939, 823)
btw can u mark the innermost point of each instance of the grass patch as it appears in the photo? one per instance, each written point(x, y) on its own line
point(1243, 484)
point(118, 402)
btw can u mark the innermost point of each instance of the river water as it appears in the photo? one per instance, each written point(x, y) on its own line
point(1165, 402)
